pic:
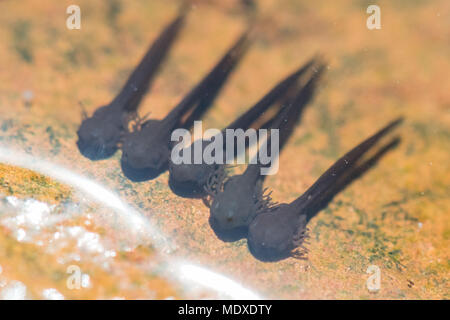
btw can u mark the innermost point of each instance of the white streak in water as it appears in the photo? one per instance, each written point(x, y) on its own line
point(138, 225)
point(14, 290)
point(52, 294)
point(188, 272)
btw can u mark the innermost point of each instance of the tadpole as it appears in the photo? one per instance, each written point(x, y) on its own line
point(241, 197)
point(146, 148)
point(99, 135)
point(190, 179)
point(280, 231)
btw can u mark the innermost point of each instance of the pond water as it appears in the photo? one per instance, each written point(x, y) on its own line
point(75, 228)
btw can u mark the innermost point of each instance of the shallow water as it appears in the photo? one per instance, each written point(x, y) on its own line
point(93, 239)
point(139, 240)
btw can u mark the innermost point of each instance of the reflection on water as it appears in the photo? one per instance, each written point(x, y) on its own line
point(118, 252)
point(13, 290)
point(50, 227)
point(123, 214)
point(204, 278)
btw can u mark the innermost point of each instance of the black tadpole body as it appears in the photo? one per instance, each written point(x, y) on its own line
point(100, 134)
point(146, 149)
point(190, 180)
point(280, 231)
point(233, 208)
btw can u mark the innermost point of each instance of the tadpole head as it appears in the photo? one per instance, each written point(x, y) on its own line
point(189, 173)
point(142, 152)
point(98, 138)
point(275, 235)
point(189, 180)
point(234, 207)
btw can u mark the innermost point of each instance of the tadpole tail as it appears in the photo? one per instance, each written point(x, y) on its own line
point(203, 94)
point(323, 200)
point(342, 167)
point(139, 81)
point(274, 95)
point(213, 91)
point(287, 118)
